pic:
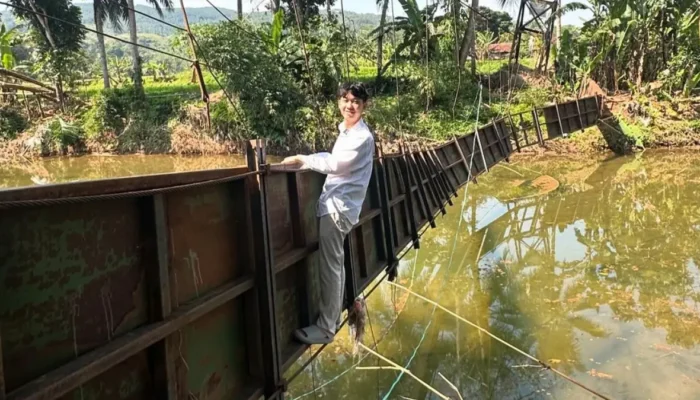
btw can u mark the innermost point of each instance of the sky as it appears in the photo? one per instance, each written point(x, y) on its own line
point(370, 6)
point(575, 18)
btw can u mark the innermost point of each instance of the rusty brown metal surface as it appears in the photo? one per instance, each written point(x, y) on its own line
point(197, 292)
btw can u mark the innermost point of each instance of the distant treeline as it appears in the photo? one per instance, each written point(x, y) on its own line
point(202, 15)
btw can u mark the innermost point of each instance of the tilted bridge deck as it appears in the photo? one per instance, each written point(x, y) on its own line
point(191, 284)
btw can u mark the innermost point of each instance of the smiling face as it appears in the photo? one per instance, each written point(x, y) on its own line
point(351, 107)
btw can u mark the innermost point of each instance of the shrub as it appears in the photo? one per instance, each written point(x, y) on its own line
point(58, 135)
point(11, 123)
point(269, 95)
point(107, 113)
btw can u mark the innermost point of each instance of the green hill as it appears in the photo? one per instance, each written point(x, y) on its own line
point(207, 15)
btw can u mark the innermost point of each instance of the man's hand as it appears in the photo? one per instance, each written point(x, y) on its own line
point(293, 161)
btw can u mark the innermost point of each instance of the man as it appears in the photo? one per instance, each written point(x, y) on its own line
point(349, 168)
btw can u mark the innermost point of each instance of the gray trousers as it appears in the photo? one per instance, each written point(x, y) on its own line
point(333, 228)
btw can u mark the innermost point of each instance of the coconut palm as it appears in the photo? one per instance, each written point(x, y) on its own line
point(115, 12)
point(159, 5)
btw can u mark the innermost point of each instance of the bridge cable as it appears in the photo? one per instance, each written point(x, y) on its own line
point(345, 39)
point(449, 264)
point(543, 364)
point(383, 336)
point(319, 115)
point(85, 28)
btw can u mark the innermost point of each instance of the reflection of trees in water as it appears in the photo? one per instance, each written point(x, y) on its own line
point(638, 225)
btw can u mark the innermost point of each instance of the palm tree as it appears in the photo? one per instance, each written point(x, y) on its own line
point(384, 4)
point(158, 5)
point(115, 11)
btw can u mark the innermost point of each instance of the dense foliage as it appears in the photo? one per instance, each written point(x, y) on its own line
point(281, 67)
point(630, 42)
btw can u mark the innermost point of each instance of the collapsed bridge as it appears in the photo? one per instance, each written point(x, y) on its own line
point(191, 284)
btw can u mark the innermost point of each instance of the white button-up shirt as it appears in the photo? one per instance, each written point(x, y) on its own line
point(349, 168)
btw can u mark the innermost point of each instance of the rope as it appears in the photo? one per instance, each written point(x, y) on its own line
point(449, 265)
point(235, 105)
point(384, 333)
point(308, 65)
point(396, 75)
point(533, 358)
point(85, 28)
point(345, 39)
point(123, 195)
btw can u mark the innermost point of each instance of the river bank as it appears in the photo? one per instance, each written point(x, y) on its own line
point(635, 123)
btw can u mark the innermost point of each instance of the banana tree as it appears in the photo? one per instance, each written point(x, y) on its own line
point(7, 58)
point(483, 41)
point(417, 31)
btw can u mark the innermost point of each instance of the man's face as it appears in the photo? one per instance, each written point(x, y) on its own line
point(351, 107)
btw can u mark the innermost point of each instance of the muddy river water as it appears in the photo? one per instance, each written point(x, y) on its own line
point(592, 266)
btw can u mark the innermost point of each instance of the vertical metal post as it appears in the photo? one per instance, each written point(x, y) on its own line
point(408, 192)
point(514, 132)
point(561, 127)
point(501, 145)
point(467, 168)
point(440, 184)
point(162, 353)
point(431, 189)
point(264, 274)
point(422, 197)
point(2, 372)
point(449, 187)
point(387, 216)
point(580, 119)
point(538, 129)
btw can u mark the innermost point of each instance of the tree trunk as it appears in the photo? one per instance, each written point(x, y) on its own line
point(138, 79)
point(240, 9)
point(456, 15)
point(642, 54)
point(275, 5)
point(44, 23)
point(468, 44)
point(99, 26)
point(328, 9)
point(380, 39)
point(557, 27)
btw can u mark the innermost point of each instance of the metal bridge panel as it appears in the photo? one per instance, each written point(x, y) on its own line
point(72, 279)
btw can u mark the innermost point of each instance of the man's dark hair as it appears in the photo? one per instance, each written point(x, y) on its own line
point(359, 90)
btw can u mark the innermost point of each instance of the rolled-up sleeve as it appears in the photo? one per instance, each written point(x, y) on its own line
point(348, 155)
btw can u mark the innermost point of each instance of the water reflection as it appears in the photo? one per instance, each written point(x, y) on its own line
point(71, 169)
point(599, 277)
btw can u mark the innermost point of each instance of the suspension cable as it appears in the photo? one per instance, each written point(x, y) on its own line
point(449, 264)
point(345, 38)
point(319, 116)
point(85, 28)
point(396, 74)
